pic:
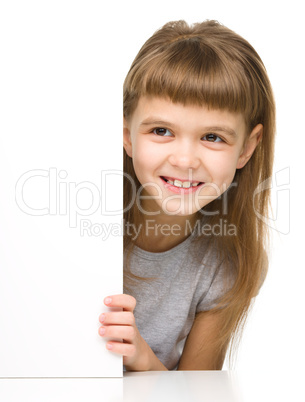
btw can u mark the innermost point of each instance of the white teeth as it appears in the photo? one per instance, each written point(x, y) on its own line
point(177, 183)
point(184, 184)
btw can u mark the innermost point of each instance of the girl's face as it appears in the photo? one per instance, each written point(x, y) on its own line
point(175, 147)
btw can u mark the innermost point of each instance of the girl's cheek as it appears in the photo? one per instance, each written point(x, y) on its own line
point(222, 171)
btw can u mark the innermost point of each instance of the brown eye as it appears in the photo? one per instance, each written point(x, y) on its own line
point(212, 138)
point(162, 132)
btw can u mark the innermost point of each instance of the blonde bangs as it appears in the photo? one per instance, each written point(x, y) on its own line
point(192, 72)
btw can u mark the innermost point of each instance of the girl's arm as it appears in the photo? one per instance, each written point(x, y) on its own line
point(137, 355)
point(200, 350)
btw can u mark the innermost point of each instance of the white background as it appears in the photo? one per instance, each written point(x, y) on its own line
point(273, 338)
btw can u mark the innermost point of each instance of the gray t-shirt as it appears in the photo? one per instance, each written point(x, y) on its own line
point(188, 280)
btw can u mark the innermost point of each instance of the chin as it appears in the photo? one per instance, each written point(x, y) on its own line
point(178, 210)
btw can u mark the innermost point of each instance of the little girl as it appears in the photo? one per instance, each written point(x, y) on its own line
point(199, 126)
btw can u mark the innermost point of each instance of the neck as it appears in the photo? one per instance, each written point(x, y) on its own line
point(161, 232)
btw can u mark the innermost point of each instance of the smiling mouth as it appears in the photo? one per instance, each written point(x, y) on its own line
point(180, 183)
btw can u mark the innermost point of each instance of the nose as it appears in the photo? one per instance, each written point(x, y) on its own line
point(185, 155)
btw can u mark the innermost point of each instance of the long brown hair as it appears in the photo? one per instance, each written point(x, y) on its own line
point(207, 64)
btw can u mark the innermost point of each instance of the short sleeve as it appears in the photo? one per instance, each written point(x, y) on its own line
point(222, 282)
point(219, 286)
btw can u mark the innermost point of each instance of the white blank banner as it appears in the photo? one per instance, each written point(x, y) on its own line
point(61, 189)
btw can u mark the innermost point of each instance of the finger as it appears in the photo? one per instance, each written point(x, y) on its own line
point(125, 332)
point(120, 348)
point(122, 318)
point(127, 302)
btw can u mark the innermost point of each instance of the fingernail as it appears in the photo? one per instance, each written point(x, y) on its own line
point(102, 317)
point(108, 300)
point(109, 346)
point(102, 331)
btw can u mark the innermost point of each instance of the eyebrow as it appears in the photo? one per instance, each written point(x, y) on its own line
point(156, 122)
